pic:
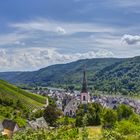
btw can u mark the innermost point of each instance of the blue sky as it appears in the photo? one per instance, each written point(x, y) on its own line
point(38, 33)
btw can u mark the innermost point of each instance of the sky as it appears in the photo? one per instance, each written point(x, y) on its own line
point(38, 33)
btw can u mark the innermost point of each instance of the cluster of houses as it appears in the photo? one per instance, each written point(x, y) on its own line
point(69, 102)
point(114, 101)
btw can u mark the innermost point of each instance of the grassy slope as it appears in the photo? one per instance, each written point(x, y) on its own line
point(95, 132)
point(28, 99)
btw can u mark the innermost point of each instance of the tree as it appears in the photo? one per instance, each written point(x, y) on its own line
point(71, 87)
point(93, 113)
point(109, 118)
point(79, 115)
point(124, 112)
point(51, 114)
point(98, 110)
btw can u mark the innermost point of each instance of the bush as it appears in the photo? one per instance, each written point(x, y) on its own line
point(93, 113)
point(124, 112)
point(66, 121)
point(123, 130)
point(134, 118)
point(51, 114)
point(63, 133)
point(126, 127)
point(109, 118)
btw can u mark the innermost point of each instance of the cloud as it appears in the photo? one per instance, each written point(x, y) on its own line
point(40, 43)
point(12, 38)
point(19, 43)
point(61, 30)
point(35, 58)
point(104, 53)
point(131, 39)
point(3, 59)
point(61, 27)
point(127, 3)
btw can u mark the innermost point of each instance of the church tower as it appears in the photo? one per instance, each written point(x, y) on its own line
point(85, 97)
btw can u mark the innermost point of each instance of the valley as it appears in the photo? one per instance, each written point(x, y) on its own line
point(115, 75)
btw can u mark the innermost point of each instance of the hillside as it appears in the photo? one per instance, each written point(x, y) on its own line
point(123, 77)
point(18, 104)
point(12, 93)
point(105, 74)
point(62, 74)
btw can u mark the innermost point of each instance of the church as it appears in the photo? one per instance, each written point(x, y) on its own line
point(84, 98)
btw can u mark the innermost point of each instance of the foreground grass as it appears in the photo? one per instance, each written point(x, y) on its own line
point(1, 118)
point(94, 132)
point(63, 133)
point(69, 133)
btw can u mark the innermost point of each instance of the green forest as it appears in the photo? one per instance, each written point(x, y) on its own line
point(115, 75)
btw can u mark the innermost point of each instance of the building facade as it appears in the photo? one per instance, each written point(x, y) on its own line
point(84, 98)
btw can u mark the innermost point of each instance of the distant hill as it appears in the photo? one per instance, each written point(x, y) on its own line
point(61, 74)
point(123, 77)
point(105, 74)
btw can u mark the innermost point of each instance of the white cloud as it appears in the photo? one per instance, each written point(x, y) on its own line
point(104, 53)
point(19, 43)
point(61, 30)
point(54, 26)
point(35, 58)
point(36, 49)
point(131, 39)
point(3, 59)
point(127, 3)
point(12, 38)
point(121, 3)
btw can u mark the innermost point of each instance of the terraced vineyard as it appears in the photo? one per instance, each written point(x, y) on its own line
point(11, 92)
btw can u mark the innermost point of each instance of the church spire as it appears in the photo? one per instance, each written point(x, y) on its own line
point(84, 86)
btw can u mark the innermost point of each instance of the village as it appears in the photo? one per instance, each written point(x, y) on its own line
point(62, 98)
point(68, 102)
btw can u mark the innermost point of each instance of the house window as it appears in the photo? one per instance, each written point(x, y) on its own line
point(84, 98)
point(70, 112)
point(67, 113)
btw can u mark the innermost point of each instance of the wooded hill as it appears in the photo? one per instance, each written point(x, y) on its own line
point(106, 74)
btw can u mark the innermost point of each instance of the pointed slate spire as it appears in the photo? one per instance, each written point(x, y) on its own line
point(84, 86)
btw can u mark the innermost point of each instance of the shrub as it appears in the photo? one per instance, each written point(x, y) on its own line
point(124, 112)
point(109, 118)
